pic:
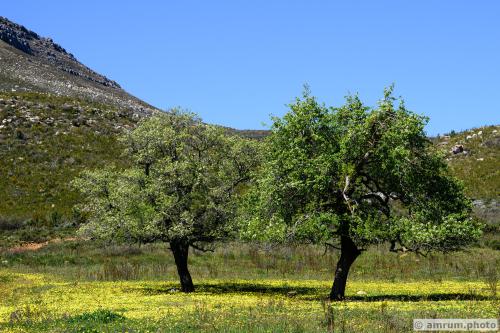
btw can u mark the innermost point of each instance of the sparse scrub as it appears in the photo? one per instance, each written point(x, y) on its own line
point(42, 150)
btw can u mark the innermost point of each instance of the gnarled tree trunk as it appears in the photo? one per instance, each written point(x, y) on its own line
point(180, 249)
point(348, 253)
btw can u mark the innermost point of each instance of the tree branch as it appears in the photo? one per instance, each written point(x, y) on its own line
point(382, 199)
point(202, 249)
point(380, 196)
point(344, 194)
point(404, 249)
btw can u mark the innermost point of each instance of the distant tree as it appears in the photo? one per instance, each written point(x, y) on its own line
point(180, 188)
point(354, 176)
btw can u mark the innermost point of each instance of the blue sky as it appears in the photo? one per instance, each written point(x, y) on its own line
point(237, 62)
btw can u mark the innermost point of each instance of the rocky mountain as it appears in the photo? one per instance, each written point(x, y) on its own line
point(31, 63)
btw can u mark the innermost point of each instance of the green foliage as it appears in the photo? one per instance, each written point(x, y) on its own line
point(182, 182)
point(368, 174)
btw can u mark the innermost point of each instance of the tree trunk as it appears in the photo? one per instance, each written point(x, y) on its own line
point(348, 253)
point(180, 250)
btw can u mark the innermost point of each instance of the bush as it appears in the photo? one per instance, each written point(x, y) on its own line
point(10, 224)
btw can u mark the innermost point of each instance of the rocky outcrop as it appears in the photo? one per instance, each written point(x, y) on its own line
point(17, 38)
point(31, 43)
point(29, 62)
point(457, 149)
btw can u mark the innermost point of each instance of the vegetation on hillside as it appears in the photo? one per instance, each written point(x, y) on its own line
point(478, 165)
point(45, 142)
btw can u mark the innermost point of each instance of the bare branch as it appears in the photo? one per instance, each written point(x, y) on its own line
point(346, 197)
point(404, 249)
point(332, 246)
point(202, 249)
point(381, 197)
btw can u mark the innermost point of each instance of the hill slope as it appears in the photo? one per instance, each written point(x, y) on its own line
point(32, 63)
point(45, 141)
point(477, 163)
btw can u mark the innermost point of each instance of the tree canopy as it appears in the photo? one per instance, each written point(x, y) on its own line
point(354, 176)
point(180, 188)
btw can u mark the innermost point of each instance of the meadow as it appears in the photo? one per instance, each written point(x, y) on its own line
point(76, 286)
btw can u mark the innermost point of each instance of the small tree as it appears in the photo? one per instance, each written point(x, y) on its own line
point(180, 188)
point(354, 176)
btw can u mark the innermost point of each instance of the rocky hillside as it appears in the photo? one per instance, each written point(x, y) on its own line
point(29, 62)
point(474, 157)
point(45, 141)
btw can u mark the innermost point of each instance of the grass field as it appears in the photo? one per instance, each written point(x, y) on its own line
point(80, 287)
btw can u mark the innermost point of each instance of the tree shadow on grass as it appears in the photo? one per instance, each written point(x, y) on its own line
point(306, 293)
point(236, 288)
point(420, 298)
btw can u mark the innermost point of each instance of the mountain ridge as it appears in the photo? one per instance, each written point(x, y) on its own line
point(31, 63)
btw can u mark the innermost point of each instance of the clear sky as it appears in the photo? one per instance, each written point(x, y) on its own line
point(236, 62)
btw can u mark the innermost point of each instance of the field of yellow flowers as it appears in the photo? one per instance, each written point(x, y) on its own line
point(38, 299)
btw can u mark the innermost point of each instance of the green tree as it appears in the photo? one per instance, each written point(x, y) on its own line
point(180, 188)
point(354, 176)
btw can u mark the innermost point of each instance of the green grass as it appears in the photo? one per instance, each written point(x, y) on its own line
point(82, 287)
point(87, 261)
point(126, 306)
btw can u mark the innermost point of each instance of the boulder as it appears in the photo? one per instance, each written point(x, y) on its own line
point(457, 149)
point(78, 122)
point(67, 107)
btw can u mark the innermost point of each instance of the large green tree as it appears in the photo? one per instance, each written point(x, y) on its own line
point(354, 176)
point(180, 188)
